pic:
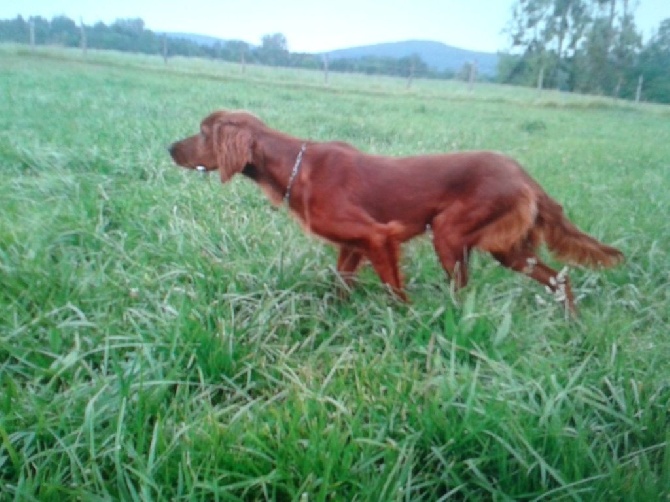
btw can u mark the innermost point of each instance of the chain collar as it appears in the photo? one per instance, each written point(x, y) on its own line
point(294, 173)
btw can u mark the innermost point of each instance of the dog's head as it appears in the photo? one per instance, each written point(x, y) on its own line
point(226, 142)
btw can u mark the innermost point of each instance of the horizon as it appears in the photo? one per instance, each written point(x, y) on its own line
point(393, 42)
point(316, 27)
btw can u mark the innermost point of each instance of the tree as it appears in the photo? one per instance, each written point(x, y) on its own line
point(549, 33)
point(565, 28)
point(529, 31)
point(63, 31)
point(593, 69)
point(626, 47)
point(42, 29)
point(609, 53)
point(14, 30)
point(654, 65)
point(133, 26)
point(274, 50)
point(587, 45)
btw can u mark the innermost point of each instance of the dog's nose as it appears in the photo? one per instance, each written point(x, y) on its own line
point(172, 149)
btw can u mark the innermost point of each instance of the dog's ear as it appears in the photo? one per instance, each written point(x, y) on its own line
point(234, 148)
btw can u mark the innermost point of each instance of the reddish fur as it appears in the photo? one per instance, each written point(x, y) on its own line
point(368, 205)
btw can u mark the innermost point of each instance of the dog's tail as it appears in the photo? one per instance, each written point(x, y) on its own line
point(567, 242)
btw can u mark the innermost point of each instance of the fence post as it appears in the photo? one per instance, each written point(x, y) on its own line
point(410, 77)
point(473, 75)
point(165, 48)
point(540, 80)
point(638, 92)
point(617, 88)
point(32, 34)
point(84, 44)
point(325, 68)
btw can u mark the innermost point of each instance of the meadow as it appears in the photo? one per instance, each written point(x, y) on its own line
point(164, 337)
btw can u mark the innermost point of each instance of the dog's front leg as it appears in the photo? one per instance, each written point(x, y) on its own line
point(378, 242)
point(385, 257)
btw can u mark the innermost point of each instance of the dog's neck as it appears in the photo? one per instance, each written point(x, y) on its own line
point(276, 170)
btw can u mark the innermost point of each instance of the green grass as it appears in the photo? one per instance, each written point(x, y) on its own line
point(163, 337)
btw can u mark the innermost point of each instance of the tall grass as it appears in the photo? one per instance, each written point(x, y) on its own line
point(164, 337)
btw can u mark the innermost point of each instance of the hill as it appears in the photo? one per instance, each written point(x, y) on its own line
point(436, 55)
point(206, 40)
point(198, 39)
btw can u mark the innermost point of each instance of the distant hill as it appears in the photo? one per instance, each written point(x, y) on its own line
point(436, 55)
point(205, 40)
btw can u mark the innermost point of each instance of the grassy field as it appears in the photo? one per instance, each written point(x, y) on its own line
point(163, 337)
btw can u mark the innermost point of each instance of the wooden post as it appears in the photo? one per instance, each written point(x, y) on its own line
point(410, 77)
point(243, 61)
point(32, 34)
point(165, 48)
point(638, 92)
point(84, 47)
point(473, 75)
point(540, 79)
point(325, 68)
point(617, 89)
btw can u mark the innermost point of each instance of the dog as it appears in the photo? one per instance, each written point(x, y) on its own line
point(368, 205)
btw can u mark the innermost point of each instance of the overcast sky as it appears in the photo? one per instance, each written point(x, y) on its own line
point(316, 25)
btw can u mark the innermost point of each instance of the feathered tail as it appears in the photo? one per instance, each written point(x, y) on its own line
point(568, 243)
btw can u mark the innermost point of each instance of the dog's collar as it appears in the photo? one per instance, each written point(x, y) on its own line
point(294, 173)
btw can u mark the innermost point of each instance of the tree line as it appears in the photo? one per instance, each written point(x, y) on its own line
point(131, 35)
point(586, 46)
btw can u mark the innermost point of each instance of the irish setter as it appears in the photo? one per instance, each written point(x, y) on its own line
point(367, 205)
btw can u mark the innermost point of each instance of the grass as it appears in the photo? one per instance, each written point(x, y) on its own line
point(166, 338)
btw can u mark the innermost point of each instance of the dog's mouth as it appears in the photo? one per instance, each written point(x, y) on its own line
point(177, 152)
point(202, 168)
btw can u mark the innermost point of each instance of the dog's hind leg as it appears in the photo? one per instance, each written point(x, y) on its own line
point(454, 261)
point(526, 262)
point(451, 250)
point(348, 262)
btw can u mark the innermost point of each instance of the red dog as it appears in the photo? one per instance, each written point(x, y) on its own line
point(368, 205)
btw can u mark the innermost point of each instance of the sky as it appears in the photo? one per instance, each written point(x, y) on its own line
point(317, 25)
